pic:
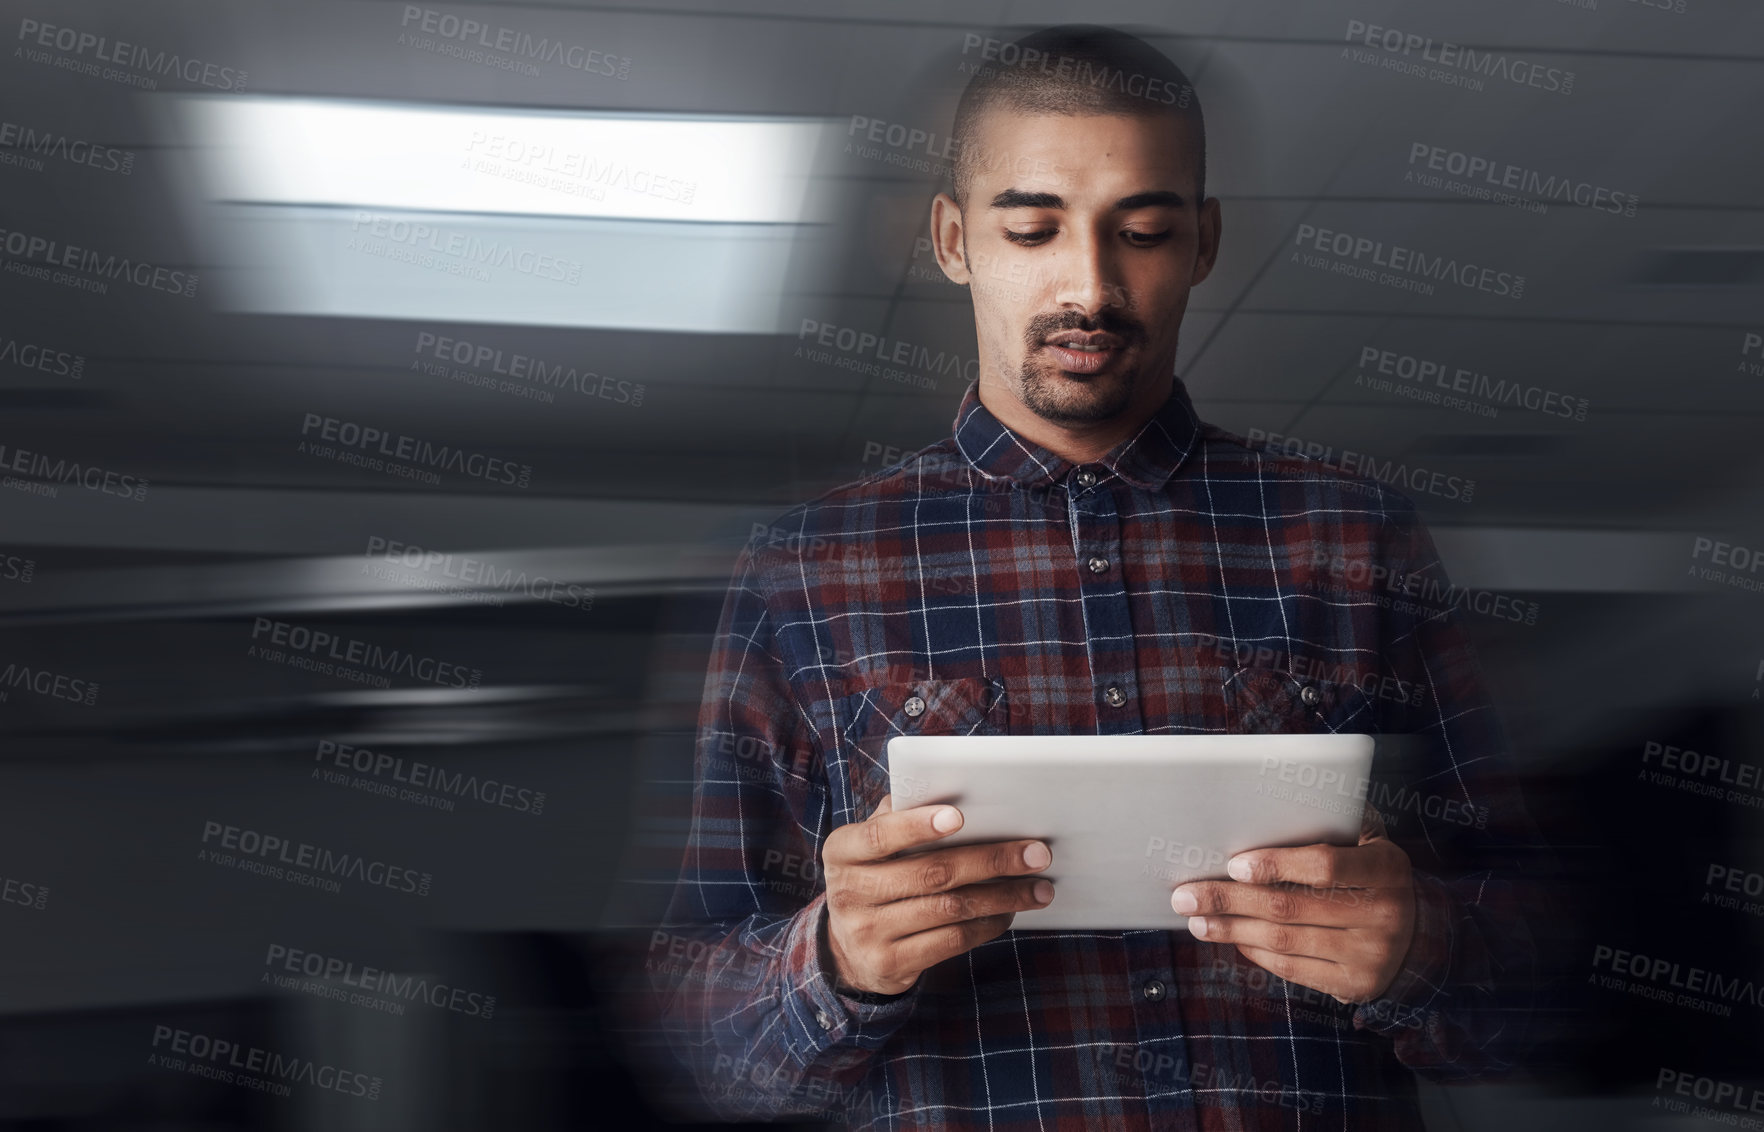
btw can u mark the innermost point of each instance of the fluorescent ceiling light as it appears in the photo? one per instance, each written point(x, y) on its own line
point(354, 209)
point(268, 150)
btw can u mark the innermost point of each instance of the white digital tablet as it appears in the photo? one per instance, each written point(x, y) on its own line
point(1130, 817)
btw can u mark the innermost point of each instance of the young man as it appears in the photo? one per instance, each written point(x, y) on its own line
point(1084, 556)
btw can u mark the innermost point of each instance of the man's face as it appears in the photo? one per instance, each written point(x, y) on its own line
point(1079, 243)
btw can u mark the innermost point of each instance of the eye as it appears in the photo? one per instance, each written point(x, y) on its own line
point(1146, 239)
point(1029, 239)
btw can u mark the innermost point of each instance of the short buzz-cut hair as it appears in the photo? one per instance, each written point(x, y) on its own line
point(1074, 69)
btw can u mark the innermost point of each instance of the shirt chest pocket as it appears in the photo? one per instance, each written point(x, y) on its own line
point(876, 714)
point(1260, 700)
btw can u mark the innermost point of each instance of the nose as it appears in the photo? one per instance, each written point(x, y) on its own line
point(1083, 278)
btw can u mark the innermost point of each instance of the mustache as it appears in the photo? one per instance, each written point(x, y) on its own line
point(1110, 320)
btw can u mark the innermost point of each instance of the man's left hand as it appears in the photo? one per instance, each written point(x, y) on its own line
point(1338, 920)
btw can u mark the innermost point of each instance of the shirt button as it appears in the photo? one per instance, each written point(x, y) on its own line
point(1310, 695)
point(825, 1019)
point(1098, 565)
point(915, 706)
point(1114, 696)
point(1086, 478)
point(1153, 991)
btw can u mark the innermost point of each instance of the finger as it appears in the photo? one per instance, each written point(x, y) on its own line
point(1371, 865)
point(885, 806)
point(1318, 974)
point(1281, 903)
point(928, 948)
point(940, 870)
point(977, 901)
point(1332, 944)
point(1371, 824)
point(884, 835)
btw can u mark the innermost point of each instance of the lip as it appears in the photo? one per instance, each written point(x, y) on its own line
point(1082, 361)
point(1082, 338)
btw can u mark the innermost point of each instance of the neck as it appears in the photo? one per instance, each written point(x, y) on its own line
point(1081, 442)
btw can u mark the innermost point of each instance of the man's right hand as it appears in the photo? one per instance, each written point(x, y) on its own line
point(890, 917)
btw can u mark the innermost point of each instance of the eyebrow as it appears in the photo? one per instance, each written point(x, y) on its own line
point(1154, 198)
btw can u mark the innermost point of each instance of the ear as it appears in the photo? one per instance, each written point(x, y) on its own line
point(946, 238)
point(1207, 252)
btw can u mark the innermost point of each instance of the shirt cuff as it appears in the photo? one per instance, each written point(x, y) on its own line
point(822, 1018)
point(1411, 1001)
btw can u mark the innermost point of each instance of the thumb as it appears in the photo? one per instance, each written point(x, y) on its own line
point(1372, 825)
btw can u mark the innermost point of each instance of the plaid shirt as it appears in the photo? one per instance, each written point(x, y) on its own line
point(1218, 587)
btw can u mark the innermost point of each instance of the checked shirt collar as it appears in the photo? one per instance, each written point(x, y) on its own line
point(1147, 459)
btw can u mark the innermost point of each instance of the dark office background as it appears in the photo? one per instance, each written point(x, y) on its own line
point(293, 277)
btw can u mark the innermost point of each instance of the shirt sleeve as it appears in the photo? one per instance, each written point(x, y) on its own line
point(1461, 1006)
point(745, 1000)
